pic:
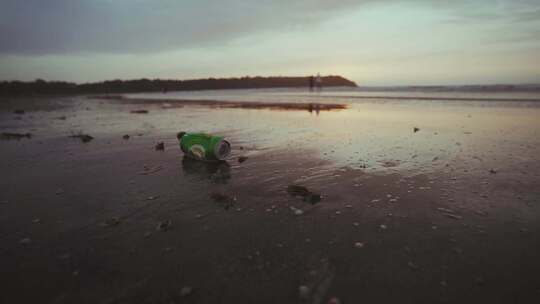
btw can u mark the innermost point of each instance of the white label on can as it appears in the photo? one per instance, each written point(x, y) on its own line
point(197, 151)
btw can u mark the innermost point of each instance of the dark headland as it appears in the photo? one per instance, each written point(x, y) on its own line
point(42, 87)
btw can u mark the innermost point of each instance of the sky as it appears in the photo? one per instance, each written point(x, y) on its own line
point(383, 42)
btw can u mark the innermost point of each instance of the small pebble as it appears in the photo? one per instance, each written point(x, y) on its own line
point(25, 241)
point(186, 291)
point(160, 146)
point(164, 225)
point(359, 245)
point(303, 292)
point(334, 300)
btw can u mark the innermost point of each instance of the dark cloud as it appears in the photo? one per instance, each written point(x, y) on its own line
point(35, 27)
point(118, 26)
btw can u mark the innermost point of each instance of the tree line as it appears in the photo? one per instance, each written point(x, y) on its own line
point(42, 87)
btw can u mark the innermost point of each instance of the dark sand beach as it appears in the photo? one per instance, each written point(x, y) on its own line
point(447, 213)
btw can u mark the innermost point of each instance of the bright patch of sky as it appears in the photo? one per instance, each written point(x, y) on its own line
point(371, 42)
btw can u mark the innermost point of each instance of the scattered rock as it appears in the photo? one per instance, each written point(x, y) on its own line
point(412, 265)
point(308, 196)
point(160, 146)
point(19, 111)
point(415, 129)
point(334, 300)
point(296, 211)
point(186, 291)
point(164, 225)
point(303, 292)
point(36, 221)
point(454, 216)
point(151, 198)
point(492, 171)
point(449, 213)
point(445, 210)
point(84, 137)
point(61, 118)
point(17, 136)
point(383, 227)
point(223, 199)
point(358, 245)
point(242, 159)
point(126, 137)
point(25, 241)
point(113, 221)
point(139, 111)
point(296, 190)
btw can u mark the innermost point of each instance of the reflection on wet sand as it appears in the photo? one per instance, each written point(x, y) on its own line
point(284, 106)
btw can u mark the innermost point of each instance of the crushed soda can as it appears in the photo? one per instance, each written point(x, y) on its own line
point(202, 146)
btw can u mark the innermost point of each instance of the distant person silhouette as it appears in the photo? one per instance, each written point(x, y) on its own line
point(311, 82)
point(318, 82)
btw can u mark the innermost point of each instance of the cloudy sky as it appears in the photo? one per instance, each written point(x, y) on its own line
point(384, 42)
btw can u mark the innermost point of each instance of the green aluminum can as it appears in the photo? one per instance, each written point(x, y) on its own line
point(203, 146)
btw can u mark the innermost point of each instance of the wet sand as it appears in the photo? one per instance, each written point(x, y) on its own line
point(448, 214)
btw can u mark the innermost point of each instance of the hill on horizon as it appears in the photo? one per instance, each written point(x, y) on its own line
point(42, 87)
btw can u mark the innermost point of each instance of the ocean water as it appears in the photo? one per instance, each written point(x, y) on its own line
point(527, 96)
